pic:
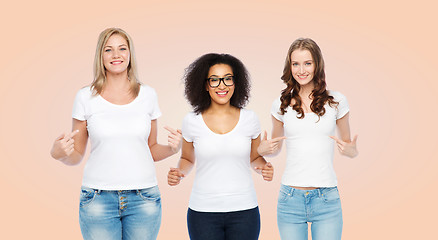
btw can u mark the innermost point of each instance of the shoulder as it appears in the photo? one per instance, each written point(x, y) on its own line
point(336, 95)
point(190, 117)
point(275, 107)
point(246, 113)
point(190, 122)
point(146, 89)
point(84, 93)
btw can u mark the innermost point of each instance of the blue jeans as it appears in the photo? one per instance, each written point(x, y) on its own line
point(115, 215)
point(321, 207)
point(238, 225)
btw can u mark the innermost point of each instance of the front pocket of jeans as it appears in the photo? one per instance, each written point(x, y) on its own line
point(283, 196)
point(331, 195)
point(150, 194)
point(87, 197)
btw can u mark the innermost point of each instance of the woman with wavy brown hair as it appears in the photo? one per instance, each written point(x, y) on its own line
point(306, 115)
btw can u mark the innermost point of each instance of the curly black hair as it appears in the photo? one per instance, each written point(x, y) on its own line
point(195, 80)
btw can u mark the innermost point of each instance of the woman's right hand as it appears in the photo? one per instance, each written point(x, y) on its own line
point(63, 146)
point(271, 146)
point(174, 176)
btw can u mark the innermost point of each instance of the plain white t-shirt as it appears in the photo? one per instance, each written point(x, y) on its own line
point(120, 157)
point(309, 148)
point(223, 181)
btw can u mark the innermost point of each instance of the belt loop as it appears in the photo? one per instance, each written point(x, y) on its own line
point(292, 190)
point(97, 191)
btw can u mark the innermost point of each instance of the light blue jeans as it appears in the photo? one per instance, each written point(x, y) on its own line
point(321, 207)
point(115, 215)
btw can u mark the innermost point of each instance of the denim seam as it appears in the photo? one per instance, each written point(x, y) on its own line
point(89, 201)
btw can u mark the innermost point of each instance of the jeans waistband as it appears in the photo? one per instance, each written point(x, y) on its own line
point(116, 191)
point(307, 193)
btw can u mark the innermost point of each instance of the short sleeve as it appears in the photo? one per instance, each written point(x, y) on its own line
point(254, 125)
point(186, 127)
point(275, 110)
point(155, 113)
point(343, 107)
point(79, 106)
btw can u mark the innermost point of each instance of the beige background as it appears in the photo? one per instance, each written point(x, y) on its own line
point(380, 54)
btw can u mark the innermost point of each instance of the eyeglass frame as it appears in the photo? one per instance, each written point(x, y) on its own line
point(220, 80)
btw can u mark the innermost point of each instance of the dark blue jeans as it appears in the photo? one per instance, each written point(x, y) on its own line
point(239, 225)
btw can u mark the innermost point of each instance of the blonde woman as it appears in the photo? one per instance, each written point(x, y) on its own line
point(119, 198)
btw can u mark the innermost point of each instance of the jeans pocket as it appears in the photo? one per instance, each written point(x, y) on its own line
point(87, 197)
point(331, 195)
point(150, 194)
point(283, 196)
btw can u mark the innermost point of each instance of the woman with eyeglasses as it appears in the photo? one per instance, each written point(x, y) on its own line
point(308, 115)
point(119, 197)
point(222, 138)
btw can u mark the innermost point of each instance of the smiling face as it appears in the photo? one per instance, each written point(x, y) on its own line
point(116, 55)
point(302, 66)
point(221, 94)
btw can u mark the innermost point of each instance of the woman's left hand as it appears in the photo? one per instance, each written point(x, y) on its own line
point(347, 148)
point(174, 139)
point(267, 171)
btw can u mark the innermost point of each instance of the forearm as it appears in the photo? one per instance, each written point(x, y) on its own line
point(258, 163)
point(185, 166)
point(160, 152)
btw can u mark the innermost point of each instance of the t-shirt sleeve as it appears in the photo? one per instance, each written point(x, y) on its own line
point(79, 107)
point(255, 125)
point(186, 127)
point(343, 107)
point(275, 110)
point(155, 113)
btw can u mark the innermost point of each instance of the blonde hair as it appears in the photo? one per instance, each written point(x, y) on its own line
point(99, 68)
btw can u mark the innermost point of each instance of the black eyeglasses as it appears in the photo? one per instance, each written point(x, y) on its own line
point(216, 81)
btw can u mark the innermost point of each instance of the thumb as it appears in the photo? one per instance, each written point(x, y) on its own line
point(355, 139)
point(335, 138)
point(268, 164)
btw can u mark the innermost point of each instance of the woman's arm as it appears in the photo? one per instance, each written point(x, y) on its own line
point(69, 148)
point(345, 145)
point(185, 164)
point(159, 151)
point(259, 163)
point(272, 147)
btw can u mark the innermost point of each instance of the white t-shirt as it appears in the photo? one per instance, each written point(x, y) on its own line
point(223, 181)
point(309, 148)
point(120, 157)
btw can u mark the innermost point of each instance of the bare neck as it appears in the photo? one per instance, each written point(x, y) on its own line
point(117, 82)
point(306, 90)
point(218, 109)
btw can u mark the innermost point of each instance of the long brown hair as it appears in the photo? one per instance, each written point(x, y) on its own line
point(99, 68)
point(319, 94)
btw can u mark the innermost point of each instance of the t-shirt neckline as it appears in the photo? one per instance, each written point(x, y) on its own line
point(222, 134)
point(121, 105)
